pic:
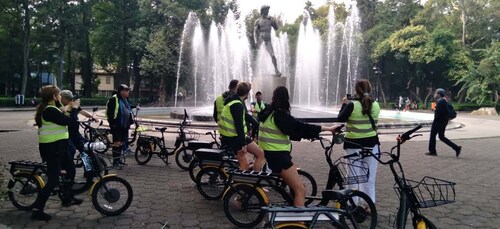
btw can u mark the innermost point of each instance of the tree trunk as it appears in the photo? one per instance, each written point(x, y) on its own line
point(163, 95)
point(87, 58)
point(60, 63)
point(70, 70)
point(137, 77)
point(26, 45)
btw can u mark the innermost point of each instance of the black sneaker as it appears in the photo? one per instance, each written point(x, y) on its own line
point(40, 215)
point(73, 201)
point(431, 154)
point(458, 151)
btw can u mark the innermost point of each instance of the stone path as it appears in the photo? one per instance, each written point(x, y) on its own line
point(164, 195)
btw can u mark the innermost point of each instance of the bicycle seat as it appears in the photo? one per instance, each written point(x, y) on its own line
point(336, 195)
point(209, 154)
point(161, 129)
point(195, 145)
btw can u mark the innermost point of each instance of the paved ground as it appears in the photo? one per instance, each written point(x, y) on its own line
point(164, 195)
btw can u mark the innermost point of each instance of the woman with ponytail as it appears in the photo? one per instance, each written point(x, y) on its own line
point(361, 117)
point(53, 143)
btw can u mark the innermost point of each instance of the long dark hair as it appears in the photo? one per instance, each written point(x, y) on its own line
point(47, 93)
point(281, 100)
point(363, 89)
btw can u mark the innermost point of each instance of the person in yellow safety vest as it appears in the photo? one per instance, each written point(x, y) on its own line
point(361, 116)
point(233, 128)
point(119, 114)
point(276, 130)
point(256, 108)
point(53, 144)
point(219, 101)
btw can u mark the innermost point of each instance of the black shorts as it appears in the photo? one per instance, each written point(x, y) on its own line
point(278, 161)
point(119, 134)
point(232, 142)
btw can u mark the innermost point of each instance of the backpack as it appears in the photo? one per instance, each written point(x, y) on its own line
point(450, 111)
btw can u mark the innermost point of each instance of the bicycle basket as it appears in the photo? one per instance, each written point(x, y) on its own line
point(192, 135)
point(352, 171)
point(430, 191)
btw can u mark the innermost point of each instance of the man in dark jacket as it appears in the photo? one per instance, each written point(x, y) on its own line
point(119, 114)
point(439, 124)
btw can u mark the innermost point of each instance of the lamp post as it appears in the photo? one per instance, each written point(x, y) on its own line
point(44, 63)
point(377, 72)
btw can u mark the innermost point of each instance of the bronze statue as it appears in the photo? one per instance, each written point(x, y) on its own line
point(262, 33)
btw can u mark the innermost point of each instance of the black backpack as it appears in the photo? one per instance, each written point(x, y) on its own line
point(450, 111)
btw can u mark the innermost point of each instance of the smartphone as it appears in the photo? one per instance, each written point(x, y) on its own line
point(350, 96)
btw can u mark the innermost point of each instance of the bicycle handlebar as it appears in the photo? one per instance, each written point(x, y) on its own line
point(406, 136)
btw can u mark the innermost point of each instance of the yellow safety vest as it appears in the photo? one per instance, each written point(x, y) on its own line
point(271, 138)
point(226, 121)
point(50, 132)
point(258, 109)
point(219, 105)
point(117, 106)
point(359, 125)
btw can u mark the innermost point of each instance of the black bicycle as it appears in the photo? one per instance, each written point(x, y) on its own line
point(414, 195)
point(99, 133)
point(110, 194)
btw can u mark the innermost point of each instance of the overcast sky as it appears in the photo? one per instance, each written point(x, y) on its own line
point(290, 9)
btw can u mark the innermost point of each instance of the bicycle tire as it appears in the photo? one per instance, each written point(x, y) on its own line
point(107, 194)
point(211, 182)
point(244, 200)
point(360, 218)
point(193, 169)
point(420, 222)
point(183, 157)
point(29, 189)
point(143, 153)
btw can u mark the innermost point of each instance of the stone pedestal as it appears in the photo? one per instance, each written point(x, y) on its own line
point(266, 84)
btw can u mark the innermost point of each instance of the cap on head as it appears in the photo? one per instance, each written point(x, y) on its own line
point(123, 87)
point(441, 92)
point(67, 94)
point(258, 93)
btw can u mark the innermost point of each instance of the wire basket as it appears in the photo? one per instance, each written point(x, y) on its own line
point(352, 171)
point(192, 135)
point(430, 192)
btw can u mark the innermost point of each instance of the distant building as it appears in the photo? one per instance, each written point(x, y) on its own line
point(105, 88)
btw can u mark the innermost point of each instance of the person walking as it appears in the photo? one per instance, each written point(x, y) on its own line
point(53, 143)
point(119, 115)
point(361, 117)
point(277, 128)
point(219, 101)
point(233, 128)
point(439, 125)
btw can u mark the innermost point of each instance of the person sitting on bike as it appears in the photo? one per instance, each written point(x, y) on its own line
point(219, 101)
point(118, 112)
point(233, 128)
point(361, 116)
point(277, 127)
point(53, 142)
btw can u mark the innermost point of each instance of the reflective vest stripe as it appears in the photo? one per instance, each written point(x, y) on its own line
point(225, 119)
point(363, 122)
point(358, 130)
point(273, 141)
point(271, 138)
point(117, 106)
point(221, 127)
point(52, 132)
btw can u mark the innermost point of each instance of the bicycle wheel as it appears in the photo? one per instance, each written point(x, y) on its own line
point(309, 183)
point(194, 169)
point(420, 222)
point(361, 209)
point(211, 183)
point(112, 195)
point(183, 157)
point(143, 153)
point(291, 226)
point(23, 191)
point(242, 205)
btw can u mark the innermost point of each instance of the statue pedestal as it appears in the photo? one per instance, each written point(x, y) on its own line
point(266, 84)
